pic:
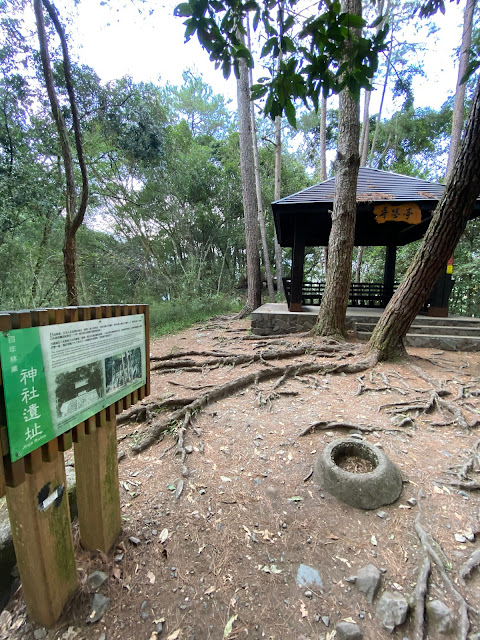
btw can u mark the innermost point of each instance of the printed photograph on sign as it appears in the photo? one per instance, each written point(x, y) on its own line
point(123, 369)
point(78, 388)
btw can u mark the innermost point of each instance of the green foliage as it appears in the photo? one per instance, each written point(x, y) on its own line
point(414, 142)
point(175, 315)
point(311, 56)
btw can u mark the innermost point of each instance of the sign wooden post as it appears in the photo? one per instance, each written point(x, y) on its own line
point(64, 375)
point(42, 536)
point(98, 499)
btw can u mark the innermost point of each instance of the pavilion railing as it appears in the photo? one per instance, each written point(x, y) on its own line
point(362, 294)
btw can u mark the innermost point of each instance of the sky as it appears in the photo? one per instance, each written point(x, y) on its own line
point(121, 41)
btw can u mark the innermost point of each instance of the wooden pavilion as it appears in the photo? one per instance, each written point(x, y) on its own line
point(392, 210)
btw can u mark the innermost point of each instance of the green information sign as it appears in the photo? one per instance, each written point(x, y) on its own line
point(57, 376)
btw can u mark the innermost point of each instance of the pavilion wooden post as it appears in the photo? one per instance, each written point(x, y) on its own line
point(298, 261)
point(389, 271)
point(440, 293)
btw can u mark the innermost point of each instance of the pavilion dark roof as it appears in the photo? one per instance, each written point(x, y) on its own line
point(373, 185)
point(310, 210)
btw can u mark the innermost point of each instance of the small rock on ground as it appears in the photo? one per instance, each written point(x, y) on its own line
point(96, 579)
point(392, 610)
point(439, 616)
point(99, 606)
point(368, 581)
point(348, 631)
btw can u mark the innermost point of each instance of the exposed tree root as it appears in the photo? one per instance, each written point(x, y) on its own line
point(325, 425)
point(468, 566)
point(419, 594)
point(239, 359)
point(228, 388)
point(191, 388)
point(435, 401)
point(135, 414)
point(466, 486)
point(434, 555)
point(186, 354)
point(472, 464)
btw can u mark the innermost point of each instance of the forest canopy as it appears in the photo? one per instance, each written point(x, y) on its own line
point(165, 216)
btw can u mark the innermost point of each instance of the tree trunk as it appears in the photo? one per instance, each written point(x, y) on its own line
point(254, 283)
point(70, 266)
point(41, 254)
point(365, 129)
point(379, 115)
point(459, 103)
point(278, 177)
point(323, 140)
point(358, 265)
point(447, 225)
point(331, 317)
point(277, 196)
point(74, 215)
point(258, 188)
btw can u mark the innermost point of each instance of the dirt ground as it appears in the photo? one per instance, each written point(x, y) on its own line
point(221, 561)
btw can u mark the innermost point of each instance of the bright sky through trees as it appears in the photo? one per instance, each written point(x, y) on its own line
point(117, 40)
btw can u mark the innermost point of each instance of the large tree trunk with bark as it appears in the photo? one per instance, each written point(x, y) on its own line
point(446, 227)
point(459, 103)
point(254, 283)
point(331, 317)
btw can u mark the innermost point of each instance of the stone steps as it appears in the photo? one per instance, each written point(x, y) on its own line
point(449, 339)
point(429, 330)
point(455, 333)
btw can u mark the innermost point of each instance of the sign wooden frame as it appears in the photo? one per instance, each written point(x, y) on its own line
point(35, 485)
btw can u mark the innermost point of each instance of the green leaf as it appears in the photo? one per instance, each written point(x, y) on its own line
point(258, 91)
point(268, 46)
point(352, 21)
point(183, 10)
point(472, 67)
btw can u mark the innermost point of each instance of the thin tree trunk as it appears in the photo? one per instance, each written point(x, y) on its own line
point(379, 115)
point(323, 158)
point(459, 103)
point(364, 140)
point(447, 225)
point(323, 139)
point(74, 215)
point(331, 318)
point(358, 265)
point(47, 228)
point(278, 180)
point(258, 187)
point(277, 196)
point(254, 283)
